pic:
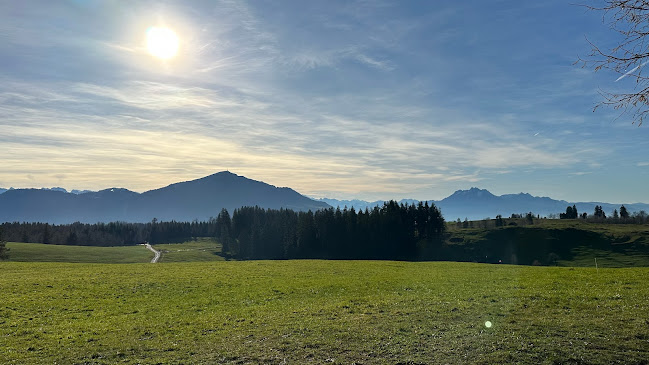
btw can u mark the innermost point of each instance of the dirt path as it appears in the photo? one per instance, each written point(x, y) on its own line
point(156, 252)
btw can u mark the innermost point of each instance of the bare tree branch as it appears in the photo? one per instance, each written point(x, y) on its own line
point(630, 19)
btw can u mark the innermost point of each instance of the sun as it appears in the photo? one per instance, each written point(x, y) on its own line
point(161, 42)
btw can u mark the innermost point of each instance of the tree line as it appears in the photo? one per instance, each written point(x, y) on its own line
point(622, 216)
point(393, 231)
point(107, 234)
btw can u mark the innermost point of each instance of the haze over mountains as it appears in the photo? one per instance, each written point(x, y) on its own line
point(2, 190)
point(185, 201)
point(478, 203)
point(203, 198)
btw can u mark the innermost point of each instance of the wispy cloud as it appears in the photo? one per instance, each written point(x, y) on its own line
point(381, 65)
point(176, 132)
point(352, 99)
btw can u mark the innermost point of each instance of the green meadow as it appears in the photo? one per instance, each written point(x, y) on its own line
point(201, 249)
point(39, 252)
point(105, 305)
point(312, 311)
point(574, 242)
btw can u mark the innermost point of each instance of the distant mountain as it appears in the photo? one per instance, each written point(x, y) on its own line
point(75, 191)
point(2, 190)
point(478, 203)
point(55, 189)
point(357, 204)
point(197, 199)
point(361, 204)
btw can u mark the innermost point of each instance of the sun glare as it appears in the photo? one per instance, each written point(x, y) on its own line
point(161, 42)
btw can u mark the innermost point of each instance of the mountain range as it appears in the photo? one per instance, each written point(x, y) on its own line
point(478, 203)
point(2, 190)
point(205, 197)
point(185, 201)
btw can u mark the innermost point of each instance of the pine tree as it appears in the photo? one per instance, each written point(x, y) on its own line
point(569, 212)
point(72, 238)
point(46, 233)
point(624, 214)
point(223, 228)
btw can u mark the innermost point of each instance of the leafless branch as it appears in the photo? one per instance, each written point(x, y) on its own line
point(630, 19)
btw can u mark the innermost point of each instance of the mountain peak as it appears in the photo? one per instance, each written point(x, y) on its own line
point(114, 190)
point(56, 189)
point(224, 173)
point(472, 193)
point(186, 201)
point(221, 175)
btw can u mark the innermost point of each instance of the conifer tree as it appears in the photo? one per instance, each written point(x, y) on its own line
point(624, 214)
point(599, 212)
point(223, 227)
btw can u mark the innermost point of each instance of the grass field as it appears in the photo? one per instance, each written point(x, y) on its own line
point(576, 242)
point(363, 312)
point(202, 249)
point(198, 250)
point(585, 257)
point(38, 252)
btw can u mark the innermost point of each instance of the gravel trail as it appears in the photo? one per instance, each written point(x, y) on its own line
point(156, 252)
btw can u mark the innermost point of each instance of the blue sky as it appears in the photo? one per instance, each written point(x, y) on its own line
point(366, 99)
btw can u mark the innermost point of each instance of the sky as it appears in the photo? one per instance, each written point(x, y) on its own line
point(340, 99)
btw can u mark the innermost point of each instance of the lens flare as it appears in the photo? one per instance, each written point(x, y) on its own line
point(161, 42)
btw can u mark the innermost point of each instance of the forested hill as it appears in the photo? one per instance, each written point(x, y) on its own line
point(198, 199)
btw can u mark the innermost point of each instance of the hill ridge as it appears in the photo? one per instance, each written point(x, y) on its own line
point(198, 199)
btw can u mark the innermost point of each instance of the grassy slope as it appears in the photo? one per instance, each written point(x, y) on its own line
point(321, 311)
point(38, 252)
point(203, 249)
point(614, 245)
